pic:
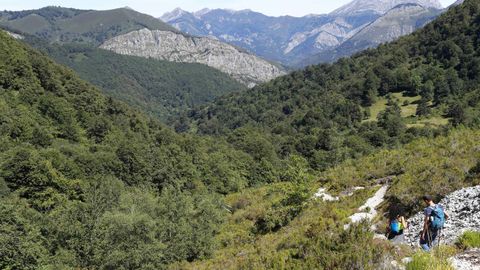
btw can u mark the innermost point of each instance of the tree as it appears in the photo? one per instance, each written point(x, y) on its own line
point(423, 109)
point(371, 86)
point(427, 90)
point(391, 120)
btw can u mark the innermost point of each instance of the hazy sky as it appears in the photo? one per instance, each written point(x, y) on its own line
point(158, 7)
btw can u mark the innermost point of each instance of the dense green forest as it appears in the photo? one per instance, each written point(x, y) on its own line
point(324, 113)
point(160, 88)
point(87, 182)
point(58, 24)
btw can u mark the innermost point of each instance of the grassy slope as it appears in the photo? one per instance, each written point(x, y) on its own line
point(437, 166)
point(381, 104)
point(67, 25)
point(409, 107)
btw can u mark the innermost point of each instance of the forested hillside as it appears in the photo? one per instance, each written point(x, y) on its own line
point(162, 89)
point(329, 113)
point(87, 182)
point(58, 24)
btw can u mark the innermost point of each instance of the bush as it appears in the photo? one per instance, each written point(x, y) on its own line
point(438, 260)
point(469, 239)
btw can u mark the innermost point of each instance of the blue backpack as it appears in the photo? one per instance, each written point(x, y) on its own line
point(437, 218)
point(395, 226)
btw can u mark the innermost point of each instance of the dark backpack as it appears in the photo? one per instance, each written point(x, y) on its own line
point(437, 218)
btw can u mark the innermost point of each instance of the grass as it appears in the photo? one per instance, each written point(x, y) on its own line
point(435, 260)
point(409, 110)
point(469, 239)
point(432, 121)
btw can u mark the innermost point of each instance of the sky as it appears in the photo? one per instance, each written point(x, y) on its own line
point(159, 7)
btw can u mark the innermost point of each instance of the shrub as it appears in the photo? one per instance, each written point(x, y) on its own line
point(438, 260)
point(469, 239)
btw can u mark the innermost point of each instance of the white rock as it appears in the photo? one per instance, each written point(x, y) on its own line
point(322, 194)
point(15, 36)
point(468, 260)
point(407, 260)
point(369, 206)
point(164, 45)
point(379, 6)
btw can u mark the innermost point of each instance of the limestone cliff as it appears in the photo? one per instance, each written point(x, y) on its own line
point(170, 46)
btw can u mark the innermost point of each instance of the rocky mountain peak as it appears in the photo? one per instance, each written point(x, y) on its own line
point(379, 6)
point(173, 15)
point(202, 12)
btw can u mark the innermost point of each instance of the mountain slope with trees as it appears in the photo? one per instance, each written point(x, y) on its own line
point(58, 24)
point(87, 182)
point(160, 88)
point(316, 238)
point(320, 112)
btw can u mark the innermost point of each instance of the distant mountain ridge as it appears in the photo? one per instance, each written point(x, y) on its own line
point(380, 6)
point(292, 41)
point(66, 25)
point(399, 21)
point(63, 25)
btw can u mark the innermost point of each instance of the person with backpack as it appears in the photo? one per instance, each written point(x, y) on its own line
point(396, 228)
point(433, 223)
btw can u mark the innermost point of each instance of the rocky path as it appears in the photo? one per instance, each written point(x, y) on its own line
point(368, 210)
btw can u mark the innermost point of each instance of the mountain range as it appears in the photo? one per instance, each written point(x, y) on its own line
point(296, 41)
point(65, 25)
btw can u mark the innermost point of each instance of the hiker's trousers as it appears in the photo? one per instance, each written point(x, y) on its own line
point(431, 238)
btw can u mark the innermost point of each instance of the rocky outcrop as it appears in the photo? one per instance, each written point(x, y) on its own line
point(165, 45)
point(15, 36)
point(380, 6)
point(463, 206)
point(467, 260)
point(399, 21)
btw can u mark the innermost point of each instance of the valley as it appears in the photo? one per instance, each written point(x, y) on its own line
point(126, 143)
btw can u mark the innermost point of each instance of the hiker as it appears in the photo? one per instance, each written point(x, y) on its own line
point(396, 228)
point(433, 223)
